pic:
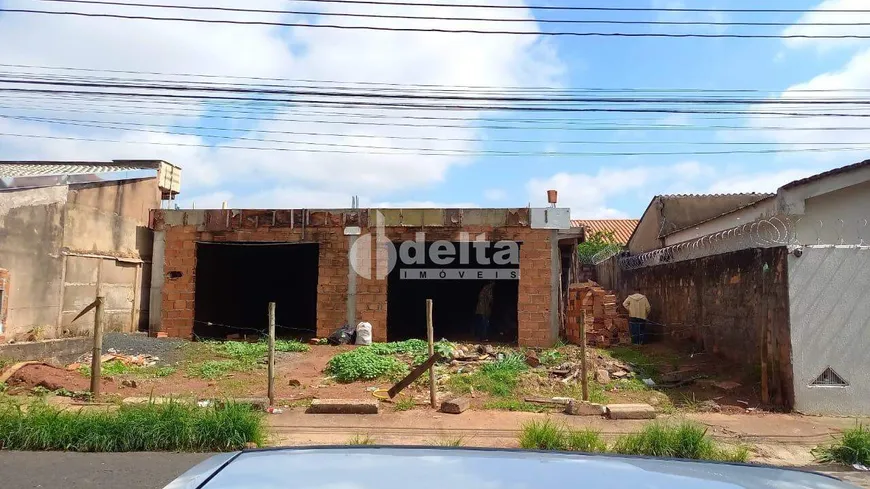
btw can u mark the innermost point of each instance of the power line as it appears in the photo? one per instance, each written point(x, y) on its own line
point(101, 124)
point(520, 154)
point(384, 94)
point(405, 106)
point(567, 8)
point(321, 82)
point(439, 30)
point(460, 19)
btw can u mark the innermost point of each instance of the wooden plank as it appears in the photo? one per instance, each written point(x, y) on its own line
point(411, 377)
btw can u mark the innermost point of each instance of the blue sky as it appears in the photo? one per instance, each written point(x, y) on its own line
point(593, 186)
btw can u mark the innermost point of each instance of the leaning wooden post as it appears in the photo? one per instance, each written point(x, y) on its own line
point(430, 332)
point(584, 381)
point(271, 371)
point(98, 346)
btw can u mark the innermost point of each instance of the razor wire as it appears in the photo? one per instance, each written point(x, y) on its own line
point(762, 233)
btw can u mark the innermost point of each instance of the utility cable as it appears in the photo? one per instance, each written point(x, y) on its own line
point(437, 30)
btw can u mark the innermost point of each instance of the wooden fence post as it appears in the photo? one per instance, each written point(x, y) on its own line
point(430, 333)
point(271, 372)
point(98, 346)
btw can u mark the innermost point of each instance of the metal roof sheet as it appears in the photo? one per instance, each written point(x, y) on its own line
point(621, 228)
point(15, 169)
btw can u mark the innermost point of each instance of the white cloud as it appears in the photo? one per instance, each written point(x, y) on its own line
point(759, 182)
point(815, 17)
point(713, 16)
point(818, 131)
point(263, 51)
point(495, 194)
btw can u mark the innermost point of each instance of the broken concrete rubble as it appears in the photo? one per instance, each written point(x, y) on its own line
point(343, 406)
point(456, 405)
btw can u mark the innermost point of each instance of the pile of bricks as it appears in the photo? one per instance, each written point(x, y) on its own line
point(589, 303)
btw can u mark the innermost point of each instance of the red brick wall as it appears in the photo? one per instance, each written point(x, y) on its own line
point(371, 295)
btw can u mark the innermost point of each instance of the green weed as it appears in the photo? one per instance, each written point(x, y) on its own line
point(146, 427)
point(586, 440)
point(405, 404)
point(550, 357)
point(543, 435)
point(683, 440)
point(360, 440)
point(515, 405)
point(449, 442)
point(363, 364)
point(852, 447)
point(3, 387)
point(631, 385)
point(214, 369)
point(411, 346)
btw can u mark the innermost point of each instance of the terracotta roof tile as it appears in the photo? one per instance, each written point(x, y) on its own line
point(621, 228)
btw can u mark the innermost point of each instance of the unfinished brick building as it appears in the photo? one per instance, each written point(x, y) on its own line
point(216, 270)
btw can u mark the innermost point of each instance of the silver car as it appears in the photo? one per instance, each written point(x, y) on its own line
point(468, 468)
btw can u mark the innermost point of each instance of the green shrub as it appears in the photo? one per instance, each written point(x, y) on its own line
point(241, 350)
point(363, 364)
point(586, 440)
point(411, 346)
point(853, 447)
point(146, 427)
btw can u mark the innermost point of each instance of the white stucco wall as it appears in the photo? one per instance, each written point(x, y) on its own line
point(849, 204)
point(829, 302)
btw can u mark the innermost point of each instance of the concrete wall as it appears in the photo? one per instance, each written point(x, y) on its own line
point(851, 204)
point(45, 232)
point(727, 304)
point(646, 235)
point(61, 351)
point(111, 217)
point(763, 209)
point(829, 293)
point(31, 234)
point(538, 285)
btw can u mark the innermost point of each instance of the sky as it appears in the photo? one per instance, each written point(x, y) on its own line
point(592, 185)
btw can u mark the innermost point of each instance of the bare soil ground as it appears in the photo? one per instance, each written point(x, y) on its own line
point(301, 377)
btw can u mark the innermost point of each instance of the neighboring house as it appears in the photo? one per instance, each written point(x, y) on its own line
point(69, 230)
point(668, 214)
point(622, 229)
point(777, 283)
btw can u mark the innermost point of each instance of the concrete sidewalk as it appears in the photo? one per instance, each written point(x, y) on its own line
point(780, 439)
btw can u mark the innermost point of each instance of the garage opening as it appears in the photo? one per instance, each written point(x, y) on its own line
point(236, 281)
point(455, 290)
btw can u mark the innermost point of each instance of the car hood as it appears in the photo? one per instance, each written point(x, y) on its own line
point(436, 468)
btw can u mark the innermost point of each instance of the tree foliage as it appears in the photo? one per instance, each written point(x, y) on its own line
point(597, 242)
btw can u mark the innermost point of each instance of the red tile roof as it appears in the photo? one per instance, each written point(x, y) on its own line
point(621, 228)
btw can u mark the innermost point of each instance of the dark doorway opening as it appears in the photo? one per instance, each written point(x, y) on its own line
point(455, 300)
point(236, 281)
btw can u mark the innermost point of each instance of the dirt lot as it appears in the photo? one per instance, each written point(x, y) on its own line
point(710, 385)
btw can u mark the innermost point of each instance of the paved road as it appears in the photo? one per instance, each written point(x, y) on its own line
point(20, 470)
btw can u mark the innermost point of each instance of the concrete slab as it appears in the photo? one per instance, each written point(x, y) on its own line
point(631, 411)
point(343, 406)
point(584, 408)
point(455, 406)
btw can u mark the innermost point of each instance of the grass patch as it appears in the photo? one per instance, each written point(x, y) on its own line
point(586, 440)
point(360, 440)
point(405, 404)
point(498, 378)
point(364, 364)
point(215, 369)
point(852, 447)
point(543, 435)
point(631, 385)
point(550, 357)
point(115, 368)
point(411, 346)
point(515, 405)
point(241, 350)
point(172, 426)
point(449, 442)
point(684, 440)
